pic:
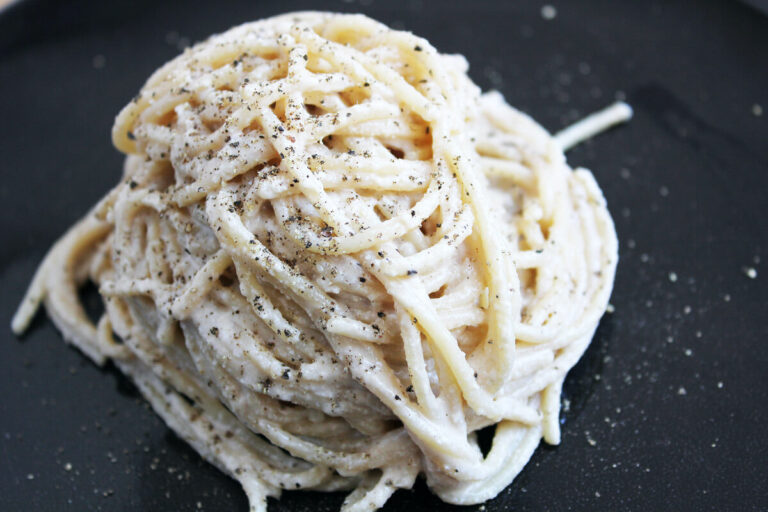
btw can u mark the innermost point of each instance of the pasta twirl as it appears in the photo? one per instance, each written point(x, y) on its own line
point(331, 261)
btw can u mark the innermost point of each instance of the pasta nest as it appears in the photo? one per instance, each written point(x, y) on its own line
point(332, 261)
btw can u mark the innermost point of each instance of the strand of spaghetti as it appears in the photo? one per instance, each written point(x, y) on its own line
point(416, 302)
point(56, 284)
point(240, 241)
point(307, 182)
point(550, 405)
point(200, 284)
point(502, 284)
point(593, 124)
point(417, 368)
point(281, 186)
point(385, 231)
point(514, 441)
point(435, 254)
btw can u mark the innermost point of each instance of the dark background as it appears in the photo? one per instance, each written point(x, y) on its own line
point(669, 406)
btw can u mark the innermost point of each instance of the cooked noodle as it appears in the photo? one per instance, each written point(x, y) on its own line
point(331, 261)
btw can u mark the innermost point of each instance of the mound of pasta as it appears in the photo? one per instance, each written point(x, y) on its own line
point(331, 261)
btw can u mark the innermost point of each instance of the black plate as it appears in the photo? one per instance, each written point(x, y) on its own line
point(668, 408)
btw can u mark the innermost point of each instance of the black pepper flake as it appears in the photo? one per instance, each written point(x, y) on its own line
point(131, 135)
point(412, 272)
point(214, 331)
point(133, 184)
point(308, 245)
point(286, 374)
point(397, 397)
point(409, 388)
point(362, 279)
point(417, 48)
point(381, 314)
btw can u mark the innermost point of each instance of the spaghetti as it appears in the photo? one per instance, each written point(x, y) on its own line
point(331, 261)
